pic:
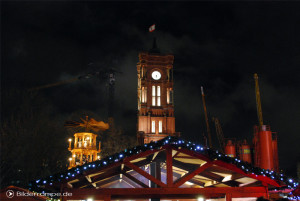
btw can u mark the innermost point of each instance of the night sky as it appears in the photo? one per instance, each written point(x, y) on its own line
point(217, 45)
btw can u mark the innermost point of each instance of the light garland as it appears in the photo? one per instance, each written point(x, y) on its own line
point(177, 143)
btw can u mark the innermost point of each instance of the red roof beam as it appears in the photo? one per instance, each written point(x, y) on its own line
point(189, 176)
point(193, 154)
point(132, 178)
point(169, 164)
point(238, 170)
point(145, 174)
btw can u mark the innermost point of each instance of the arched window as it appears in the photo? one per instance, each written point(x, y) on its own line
point(156, 93)
point(160, 126)
point(158, 96)
point(144, 94)
point(153, 95)
point(153, 127)
point(169, 95)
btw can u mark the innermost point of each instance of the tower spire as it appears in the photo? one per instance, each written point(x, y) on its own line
point(154, 48)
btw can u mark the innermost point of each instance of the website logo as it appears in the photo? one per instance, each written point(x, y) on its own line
point(10, 194)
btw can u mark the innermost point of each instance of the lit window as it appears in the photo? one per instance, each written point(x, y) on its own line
point(153, 95)
point(140, 97)
point(153, 90)
point(168, 95)
point(153, 126)
point(144, 94)
point(158, 90)
point(158, 95)
point(160, 127)
point(171, 95)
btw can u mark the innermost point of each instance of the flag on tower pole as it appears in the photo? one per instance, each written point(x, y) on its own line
point(152, 28)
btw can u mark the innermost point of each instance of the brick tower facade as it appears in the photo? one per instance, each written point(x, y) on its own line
point(155, 96)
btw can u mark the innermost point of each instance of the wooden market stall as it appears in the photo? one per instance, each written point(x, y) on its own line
point(171, 168)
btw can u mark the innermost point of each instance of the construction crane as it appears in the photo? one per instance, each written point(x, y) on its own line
point(258, 103)
point(87, 76)
point(111, 92)
point(256, 139)
point(220, 134)
point(103, 74)
point(206, 118)
point(54, 84)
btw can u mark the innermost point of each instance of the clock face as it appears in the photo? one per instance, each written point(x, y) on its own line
point(156, 75)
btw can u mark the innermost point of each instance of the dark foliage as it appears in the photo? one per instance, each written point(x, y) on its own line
point(34, 140)
point(30, 133)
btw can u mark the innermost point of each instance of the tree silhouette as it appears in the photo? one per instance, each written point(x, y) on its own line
point(29, 139)
point(34, 141)
point(115, 140)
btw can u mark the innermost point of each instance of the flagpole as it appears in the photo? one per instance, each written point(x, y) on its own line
point(154, 45)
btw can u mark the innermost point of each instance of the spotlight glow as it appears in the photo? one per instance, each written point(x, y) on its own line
point(200, 199)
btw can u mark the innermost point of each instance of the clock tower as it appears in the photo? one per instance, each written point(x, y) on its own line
point(155, 96)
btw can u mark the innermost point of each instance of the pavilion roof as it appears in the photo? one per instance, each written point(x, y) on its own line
point(192, 165)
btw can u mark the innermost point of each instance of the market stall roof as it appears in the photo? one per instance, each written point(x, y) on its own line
point(168, 163)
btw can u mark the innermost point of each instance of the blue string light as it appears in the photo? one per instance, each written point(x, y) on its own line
point(178, 143)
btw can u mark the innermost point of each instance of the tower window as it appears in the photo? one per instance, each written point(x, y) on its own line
point(156, 96)
point(160, 126)
point(153, 127)
point(144, 94)
point(153, 95)
point(153, 90)
point(169, 95)
point(143, 97)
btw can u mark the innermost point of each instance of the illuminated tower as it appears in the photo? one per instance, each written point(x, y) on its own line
point(155, 96)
